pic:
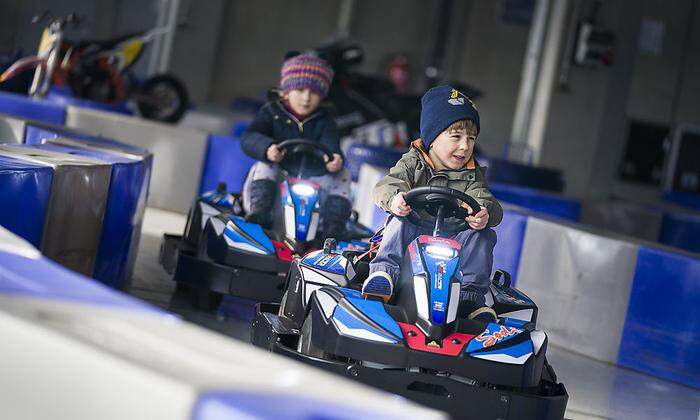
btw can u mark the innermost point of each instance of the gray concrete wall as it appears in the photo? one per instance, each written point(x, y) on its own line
point(256, 35)
point(489, 56)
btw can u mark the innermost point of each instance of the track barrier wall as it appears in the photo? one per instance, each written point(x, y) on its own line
point(135, 361)
point(178, 153)
point(25, 107)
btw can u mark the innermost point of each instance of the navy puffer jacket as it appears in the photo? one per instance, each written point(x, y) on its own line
point(274, 124)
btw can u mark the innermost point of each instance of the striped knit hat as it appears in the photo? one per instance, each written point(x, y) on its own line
point(306, 71)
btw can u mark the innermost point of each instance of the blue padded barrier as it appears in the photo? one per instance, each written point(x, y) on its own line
point(31, 108)
point(42, 278)
point(681, 230)
point(684, 199)
point(224, 162)
point(537, 201)
point(507, 172)
point(221, 405)
point(511, 235)
point(37, 133)
point(24, 194)
point(661, 335)
point(123, 214)
point(63, 97)
point(238, 128)
point(359, 154)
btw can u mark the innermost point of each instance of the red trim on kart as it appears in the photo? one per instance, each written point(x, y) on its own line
point(434, 240)
point(282, 251)
point(452, 345)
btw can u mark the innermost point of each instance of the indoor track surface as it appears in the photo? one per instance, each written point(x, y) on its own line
point(596, 390)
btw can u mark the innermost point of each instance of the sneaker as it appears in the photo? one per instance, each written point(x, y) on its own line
point(378, 284)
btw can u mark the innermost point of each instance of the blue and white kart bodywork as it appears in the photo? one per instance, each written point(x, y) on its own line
point(419, 344)
point(221, 253)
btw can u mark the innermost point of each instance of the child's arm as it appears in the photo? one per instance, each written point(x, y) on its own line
point(330, 136)
point(479, 190)
point(257, 138)
point(398, 180)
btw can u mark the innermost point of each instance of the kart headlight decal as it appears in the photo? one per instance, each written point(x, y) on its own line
point(290, 223)
point(421, 294)
point(351, 326)
point(454, 302)
point(304, 190)
point(537, 337)
point(441, 252)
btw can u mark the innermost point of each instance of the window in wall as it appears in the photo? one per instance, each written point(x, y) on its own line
point(645, 153)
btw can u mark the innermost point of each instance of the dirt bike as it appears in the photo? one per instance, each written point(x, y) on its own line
point(100, 71)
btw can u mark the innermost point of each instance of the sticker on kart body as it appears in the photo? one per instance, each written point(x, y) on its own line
point(493, 334)
point(334, 263)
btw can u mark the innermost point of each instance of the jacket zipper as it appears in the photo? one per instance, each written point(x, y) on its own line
point(300, 124)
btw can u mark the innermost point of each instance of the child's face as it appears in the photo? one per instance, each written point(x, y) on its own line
point(453, 148)
point(303, 101)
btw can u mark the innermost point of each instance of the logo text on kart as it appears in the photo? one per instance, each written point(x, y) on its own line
point(489, 338)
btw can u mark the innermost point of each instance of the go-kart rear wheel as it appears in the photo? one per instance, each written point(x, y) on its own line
point(305, 346)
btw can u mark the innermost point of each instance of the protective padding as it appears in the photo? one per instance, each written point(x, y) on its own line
point(581, 283)
point(44, 279)
point(685, 199)
point(11, 129)
point(359, 155)
point(511, 235)
point(225, 162)
point(369, 214)
point(24, 192)
point(681, 230)
point(63, 97)
point(76, 206)
point(123, 215)
point(661, 335)
point(537, 201)
point(31, 108)
point(178, 152)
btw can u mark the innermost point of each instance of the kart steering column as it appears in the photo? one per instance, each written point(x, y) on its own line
point(439, 220)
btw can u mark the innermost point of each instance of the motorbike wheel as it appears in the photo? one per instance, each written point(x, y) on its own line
point(305, 345)
point(163, 98)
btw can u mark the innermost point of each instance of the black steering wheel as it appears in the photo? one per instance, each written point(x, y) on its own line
point(304, 156)
point(440, 202)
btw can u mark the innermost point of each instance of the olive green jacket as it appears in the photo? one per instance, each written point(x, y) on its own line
point(415, 169)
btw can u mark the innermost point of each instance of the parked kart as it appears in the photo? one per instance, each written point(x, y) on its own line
point(100, 71)
point(419, 344)
point(221, 253)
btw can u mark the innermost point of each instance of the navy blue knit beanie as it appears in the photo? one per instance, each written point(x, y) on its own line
point(440, 107)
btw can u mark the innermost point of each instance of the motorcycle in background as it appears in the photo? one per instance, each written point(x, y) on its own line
point(100, 71)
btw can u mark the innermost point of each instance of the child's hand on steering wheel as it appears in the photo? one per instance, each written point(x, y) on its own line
point(334, 165)
point(399, 207)
point(274, 154)
point(479, 220)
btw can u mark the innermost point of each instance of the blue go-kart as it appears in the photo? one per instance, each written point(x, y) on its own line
point(221, 253)
point(420, 344)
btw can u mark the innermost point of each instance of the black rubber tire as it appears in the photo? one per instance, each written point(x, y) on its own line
point(178, 92)
point(305, 346)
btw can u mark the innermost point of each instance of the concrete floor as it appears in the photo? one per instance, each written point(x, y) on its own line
point(596, 390)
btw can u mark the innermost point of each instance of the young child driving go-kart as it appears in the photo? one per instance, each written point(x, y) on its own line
point(298, 114)
point(449, 126)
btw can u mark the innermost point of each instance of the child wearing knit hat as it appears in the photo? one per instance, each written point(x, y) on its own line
point(443, 156)
point(298, 114)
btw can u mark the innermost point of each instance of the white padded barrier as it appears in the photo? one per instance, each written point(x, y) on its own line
point(178, 153)
point(364, 205)
point(11, 129)
point(581, 284)
point(96, 353)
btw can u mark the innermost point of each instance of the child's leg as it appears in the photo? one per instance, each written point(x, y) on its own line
point(259, 192)
point(385, 269)
point(475, 264)
point(336, 202)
